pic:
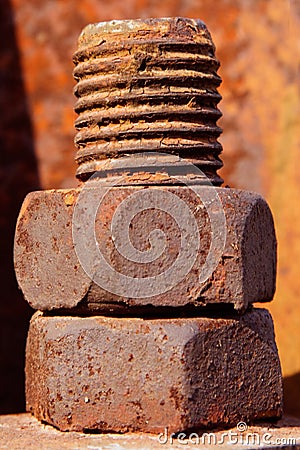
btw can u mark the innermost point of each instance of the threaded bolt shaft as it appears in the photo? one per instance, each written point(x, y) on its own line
point(147, 86)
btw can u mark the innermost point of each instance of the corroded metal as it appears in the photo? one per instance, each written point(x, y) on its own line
point(147, 86)
point(46, 261)
point(134, 375)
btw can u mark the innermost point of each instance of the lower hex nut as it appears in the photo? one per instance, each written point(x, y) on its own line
point(121, 374)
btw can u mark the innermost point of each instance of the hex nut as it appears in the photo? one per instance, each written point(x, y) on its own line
point(52, 277)
point(120, 374)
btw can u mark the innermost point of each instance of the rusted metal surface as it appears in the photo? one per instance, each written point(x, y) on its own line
point(45, 262)
point(52, 277)
point(107, 374)
point(144, 86)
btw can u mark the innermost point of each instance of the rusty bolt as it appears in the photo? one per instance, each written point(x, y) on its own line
point(147, 91)
point(147, 86)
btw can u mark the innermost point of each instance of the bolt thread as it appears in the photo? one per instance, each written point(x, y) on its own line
point(147, 86)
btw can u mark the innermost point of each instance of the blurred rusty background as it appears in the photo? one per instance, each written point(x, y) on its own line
point(258, 45)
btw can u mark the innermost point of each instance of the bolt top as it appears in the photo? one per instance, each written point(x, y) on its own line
point(163, 27)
